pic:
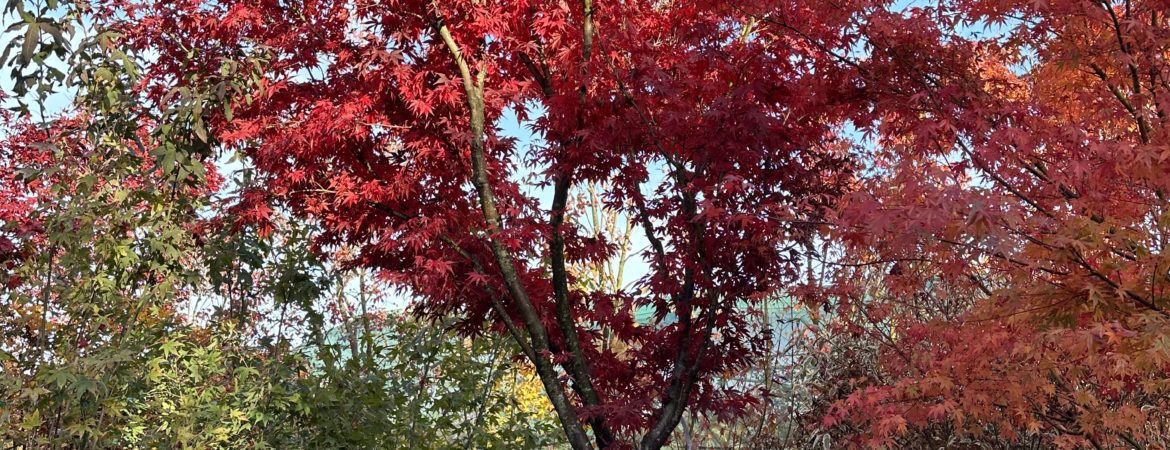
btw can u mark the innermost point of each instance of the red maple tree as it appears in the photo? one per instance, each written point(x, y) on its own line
point(1006, 252)
point(712, 124)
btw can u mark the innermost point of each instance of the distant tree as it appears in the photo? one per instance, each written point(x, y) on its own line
point(1007, 252)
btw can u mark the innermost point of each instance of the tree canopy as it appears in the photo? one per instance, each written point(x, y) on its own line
point(963, 201)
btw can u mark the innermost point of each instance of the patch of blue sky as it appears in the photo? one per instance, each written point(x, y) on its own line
point(535, 182)
point(57, 101)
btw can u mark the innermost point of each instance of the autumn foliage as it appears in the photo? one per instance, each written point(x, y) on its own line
point(381, 122)
point(966, 200)
point(1008, 251)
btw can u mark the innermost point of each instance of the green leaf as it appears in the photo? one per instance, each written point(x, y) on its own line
point(104, 74)
point(60, 378)
point(200, 131)
point(85, 385)
point(32, 37)
point(171, 348)
point(32, 421)
point(58, 38)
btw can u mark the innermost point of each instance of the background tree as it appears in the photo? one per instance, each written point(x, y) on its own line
point(1014, 227)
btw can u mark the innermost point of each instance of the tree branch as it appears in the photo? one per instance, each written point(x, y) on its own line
point(473, 88)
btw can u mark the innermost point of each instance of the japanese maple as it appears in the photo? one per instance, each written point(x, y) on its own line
point(381, 121)
point(1007, 254)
